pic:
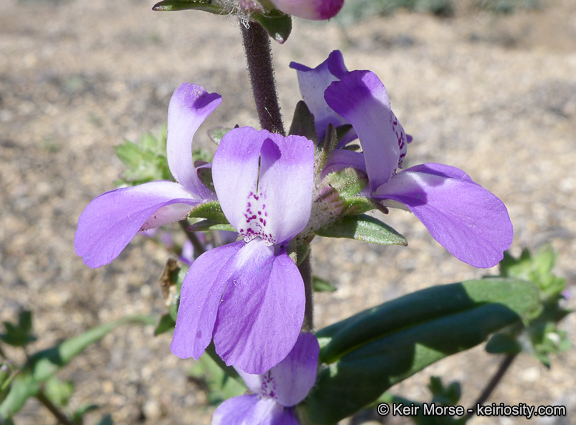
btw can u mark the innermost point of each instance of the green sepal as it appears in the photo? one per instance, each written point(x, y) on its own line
point(278, 25)
point(42, 365)
point(177, 5)
point(368, 353)
point(210, 210)
point(363, 228)
point(303, 122)
point(321, 285)
point(205, 225)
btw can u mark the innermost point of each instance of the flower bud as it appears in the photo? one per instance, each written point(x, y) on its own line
point(310, 9)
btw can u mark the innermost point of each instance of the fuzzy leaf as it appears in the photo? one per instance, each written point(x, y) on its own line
point(363, 228)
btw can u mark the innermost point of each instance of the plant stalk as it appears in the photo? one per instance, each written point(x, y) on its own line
point(305, 269)
point(259, 58)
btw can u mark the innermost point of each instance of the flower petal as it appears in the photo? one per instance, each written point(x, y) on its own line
point(202, 291)
point(111, 220)
point(310, 9)
point(235, 171)
point(296, 374)
point(361, 98)
point(189, 106)
point(276, 205)
point(261, 310)
point(340, 159)
point(252, 410)
point(469, 221)
point(313, 84)
point(286, 182)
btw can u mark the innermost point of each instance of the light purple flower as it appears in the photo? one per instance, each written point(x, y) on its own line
point(469, 221)
point(310, 9)
point(249, 294)
point(313, 83)
point(276, 391)
point(111, 220)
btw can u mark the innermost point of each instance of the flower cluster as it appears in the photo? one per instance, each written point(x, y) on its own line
point(248, 296)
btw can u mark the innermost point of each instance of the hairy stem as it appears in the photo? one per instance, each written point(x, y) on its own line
point(198, 246)
point(305, 269)
point(61, 417)
point(494, 381)
point(259, 58)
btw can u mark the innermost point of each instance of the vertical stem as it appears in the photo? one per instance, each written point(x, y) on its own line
point(259, 59)
point(504, 366)
point(305, 269)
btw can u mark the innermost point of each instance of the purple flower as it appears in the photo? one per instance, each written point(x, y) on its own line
point(310, 9)
point(276, 391)
point(249, 294)
point(111, 220)
point(469, 221)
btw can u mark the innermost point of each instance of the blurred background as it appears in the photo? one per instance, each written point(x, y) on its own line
point(486, 86)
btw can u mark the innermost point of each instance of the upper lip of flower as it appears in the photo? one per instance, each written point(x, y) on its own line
point(111, 220)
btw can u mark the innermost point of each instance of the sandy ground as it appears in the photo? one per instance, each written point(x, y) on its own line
point(495, 96)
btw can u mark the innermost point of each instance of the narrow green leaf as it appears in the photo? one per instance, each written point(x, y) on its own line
point(176, 5)
point(321, 285)
point(210, 210)
point(375, 349)
point(44, 364)
point(206, 225)
point(503, 343)
point(363, 228)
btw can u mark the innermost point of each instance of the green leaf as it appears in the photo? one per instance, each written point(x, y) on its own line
point(19, 335)
point(146, 160)
point(277, 24)
point(165, 324)
point(205, 225)
point(58, 392)
point(210, 210)
point(368, 353)
point(176, 5)
point(42, 365)
point(363, 228)
point(321, 285)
